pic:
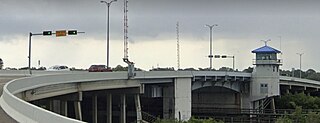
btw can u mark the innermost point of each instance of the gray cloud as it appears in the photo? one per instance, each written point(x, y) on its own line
point(247, 21)
point(156, 19)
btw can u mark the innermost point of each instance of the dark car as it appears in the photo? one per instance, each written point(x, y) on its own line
point(99, 68)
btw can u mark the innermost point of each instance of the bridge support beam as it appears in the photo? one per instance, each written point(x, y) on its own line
point(123, 108)
point(182, 95)
point(109, 108)
point(138, 108)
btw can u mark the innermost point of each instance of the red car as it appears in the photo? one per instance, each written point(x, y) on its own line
point(99, 68)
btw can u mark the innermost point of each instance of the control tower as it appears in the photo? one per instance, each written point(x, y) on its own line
point(265, 77)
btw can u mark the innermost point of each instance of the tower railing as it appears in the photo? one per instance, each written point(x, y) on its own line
point(267, 61)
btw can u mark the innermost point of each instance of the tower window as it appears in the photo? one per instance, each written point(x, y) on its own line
point(263, 88)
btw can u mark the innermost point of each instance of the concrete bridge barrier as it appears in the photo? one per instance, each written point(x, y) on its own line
point(25, 112)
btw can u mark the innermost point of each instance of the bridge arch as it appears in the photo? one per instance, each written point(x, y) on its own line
point(208, 99)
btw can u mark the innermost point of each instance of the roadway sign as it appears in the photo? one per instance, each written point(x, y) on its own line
point(61, 33)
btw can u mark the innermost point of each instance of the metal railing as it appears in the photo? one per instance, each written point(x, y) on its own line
point(146, 117)
point(270, 61)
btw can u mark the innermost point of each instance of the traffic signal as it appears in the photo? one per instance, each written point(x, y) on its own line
point(45, 33)
point(72, 32)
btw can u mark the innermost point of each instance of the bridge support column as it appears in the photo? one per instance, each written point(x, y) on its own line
point(50, 104)
point(287, 91)
point(168, 102)
point(138, 108)
point(56, 106)
point(109, 108)
point(273, 105)
point(77, 107)
point(95, 109)
point(182, 96)
point(64, 108)
point(123, 108)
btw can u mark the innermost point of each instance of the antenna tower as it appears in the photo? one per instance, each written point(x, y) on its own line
point(131, 68)
point(178, 47)
point(125, 26)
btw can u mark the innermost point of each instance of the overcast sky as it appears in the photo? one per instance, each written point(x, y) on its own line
point(152, 32)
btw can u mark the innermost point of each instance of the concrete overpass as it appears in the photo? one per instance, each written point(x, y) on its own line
point(180, 86)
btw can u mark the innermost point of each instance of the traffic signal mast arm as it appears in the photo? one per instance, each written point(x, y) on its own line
point(49, 33)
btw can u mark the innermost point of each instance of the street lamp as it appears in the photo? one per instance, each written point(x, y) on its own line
point(300, 54)
point(107, 26)
point(225, 56)
point(211, 56)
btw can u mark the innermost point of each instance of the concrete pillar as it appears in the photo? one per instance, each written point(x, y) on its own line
point(109, 108)
point(287, 91)
point(168, 94)
point(95, 109)
point(138, 108)
point(246, 100)
point(182, 96)
point(56, 106)
point(64, 108)
point(50, 104)
point(123, 108)
point(77, 106)
point(273, 105)
point(238, 99)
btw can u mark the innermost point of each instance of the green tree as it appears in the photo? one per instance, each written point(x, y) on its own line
point(284, 119)
point(248, 70)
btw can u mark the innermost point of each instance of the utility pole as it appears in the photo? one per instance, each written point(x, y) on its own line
point(211, 56)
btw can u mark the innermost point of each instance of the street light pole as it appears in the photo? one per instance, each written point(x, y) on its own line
point(211, 56)
point(29, 57)
point(233, 57)
point(107, 26)
point(300, 54)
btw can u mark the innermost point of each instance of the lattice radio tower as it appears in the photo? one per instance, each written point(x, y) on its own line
point(125, 26)
point(131, 68)
point(178, 47)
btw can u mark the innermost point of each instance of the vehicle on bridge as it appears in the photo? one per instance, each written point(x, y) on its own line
point(58, 68)
point(99, 68)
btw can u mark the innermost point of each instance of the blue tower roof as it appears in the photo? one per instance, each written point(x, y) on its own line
point(266, 49)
